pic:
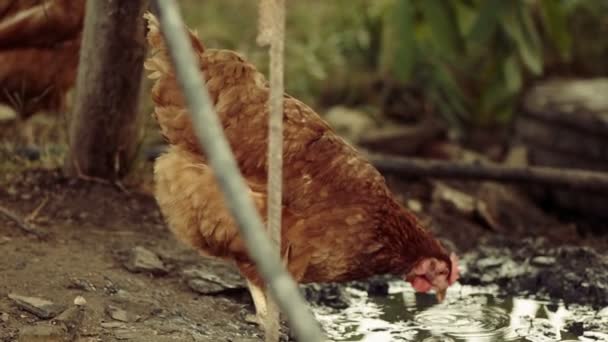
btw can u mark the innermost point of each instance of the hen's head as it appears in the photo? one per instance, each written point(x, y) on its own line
point(434, 273)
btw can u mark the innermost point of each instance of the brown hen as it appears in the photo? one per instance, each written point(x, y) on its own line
point(340, 221)
point(39, 52)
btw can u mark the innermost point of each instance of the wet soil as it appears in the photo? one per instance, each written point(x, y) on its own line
point(137, 283)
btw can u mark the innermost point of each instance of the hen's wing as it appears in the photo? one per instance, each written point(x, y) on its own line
point(192, 203)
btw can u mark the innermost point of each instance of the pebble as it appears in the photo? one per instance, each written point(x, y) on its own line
point(124, 334)
point(40, 307)
point(4, 317)
point(414, 205)
point(144, 260)
point(543, 261)
point(119, 314)
point(228, 279)
point(81, 284)
point(112, 325)
point(205, 287)
point(80, 301)
point(71, 318)
point(489, 262)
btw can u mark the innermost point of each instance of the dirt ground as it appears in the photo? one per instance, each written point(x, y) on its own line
point(92, 229)
point(92, 242)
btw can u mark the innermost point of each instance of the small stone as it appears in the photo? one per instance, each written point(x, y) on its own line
point(112, 325)
point(4, 317)
point(251, 319)
point(81, 284)
point(205, 287)
point(40, 307)
point(489, 262)
point(43, 333)
point(543, 261)
point(80, 301)
point(144, 260)
point(414, 205)
point(71, 318)
point(119, 314)
point(124, 334)
point(212, 281)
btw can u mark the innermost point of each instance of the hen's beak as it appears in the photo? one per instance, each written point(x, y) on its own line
point(441, 295)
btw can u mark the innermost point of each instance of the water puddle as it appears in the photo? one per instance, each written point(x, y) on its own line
point(470, 314)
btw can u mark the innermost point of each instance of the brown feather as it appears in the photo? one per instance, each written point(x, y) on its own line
point(340, 221)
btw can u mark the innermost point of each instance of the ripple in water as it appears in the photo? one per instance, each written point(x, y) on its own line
point(464, 321)
point(472, 314)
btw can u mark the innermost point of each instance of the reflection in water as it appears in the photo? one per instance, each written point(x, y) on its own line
point(470, 314)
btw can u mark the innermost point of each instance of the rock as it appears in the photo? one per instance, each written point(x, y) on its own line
point(43, 333)
point(121, 315)
point(71, 319)
point(125, 334)
point(489, 262)
point(414, 205)
point(251, 319)
point(40, 307)
point(213, 280)
point(144, 260)
point(112, 325)
point(543, 261)
point(80, 301)
point(206, 287)
point(462, 202)
point(330, 295)
point(4, 317)
point(81, 284)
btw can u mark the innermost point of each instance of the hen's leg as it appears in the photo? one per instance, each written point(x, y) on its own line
point(272, 325)
point(259, 301)
point(267, 312)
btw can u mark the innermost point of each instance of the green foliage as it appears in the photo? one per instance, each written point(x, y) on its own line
point(472, 58)
point(476, 54)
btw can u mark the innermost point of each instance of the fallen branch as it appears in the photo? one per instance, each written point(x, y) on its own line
point(567, 178)
point(209, 130)
point(21, 222)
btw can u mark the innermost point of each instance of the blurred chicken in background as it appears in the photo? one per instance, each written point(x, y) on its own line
point(39, 52)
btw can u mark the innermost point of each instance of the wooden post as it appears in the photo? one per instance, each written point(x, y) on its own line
point(104, 127)
point(272, 32)
point(216, 148)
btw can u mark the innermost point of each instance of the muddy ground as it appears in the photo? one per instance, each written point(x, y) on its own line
point(112, 271)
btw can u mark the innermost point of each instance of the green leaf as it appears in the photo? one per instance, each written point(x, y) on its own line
point(512, 74)
point(442, 19)
point(486, 23)
point(495, 95)
point(556, 23)
point(465, 17)
point(398, 42)
point(517, 23)
point(454, 97)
